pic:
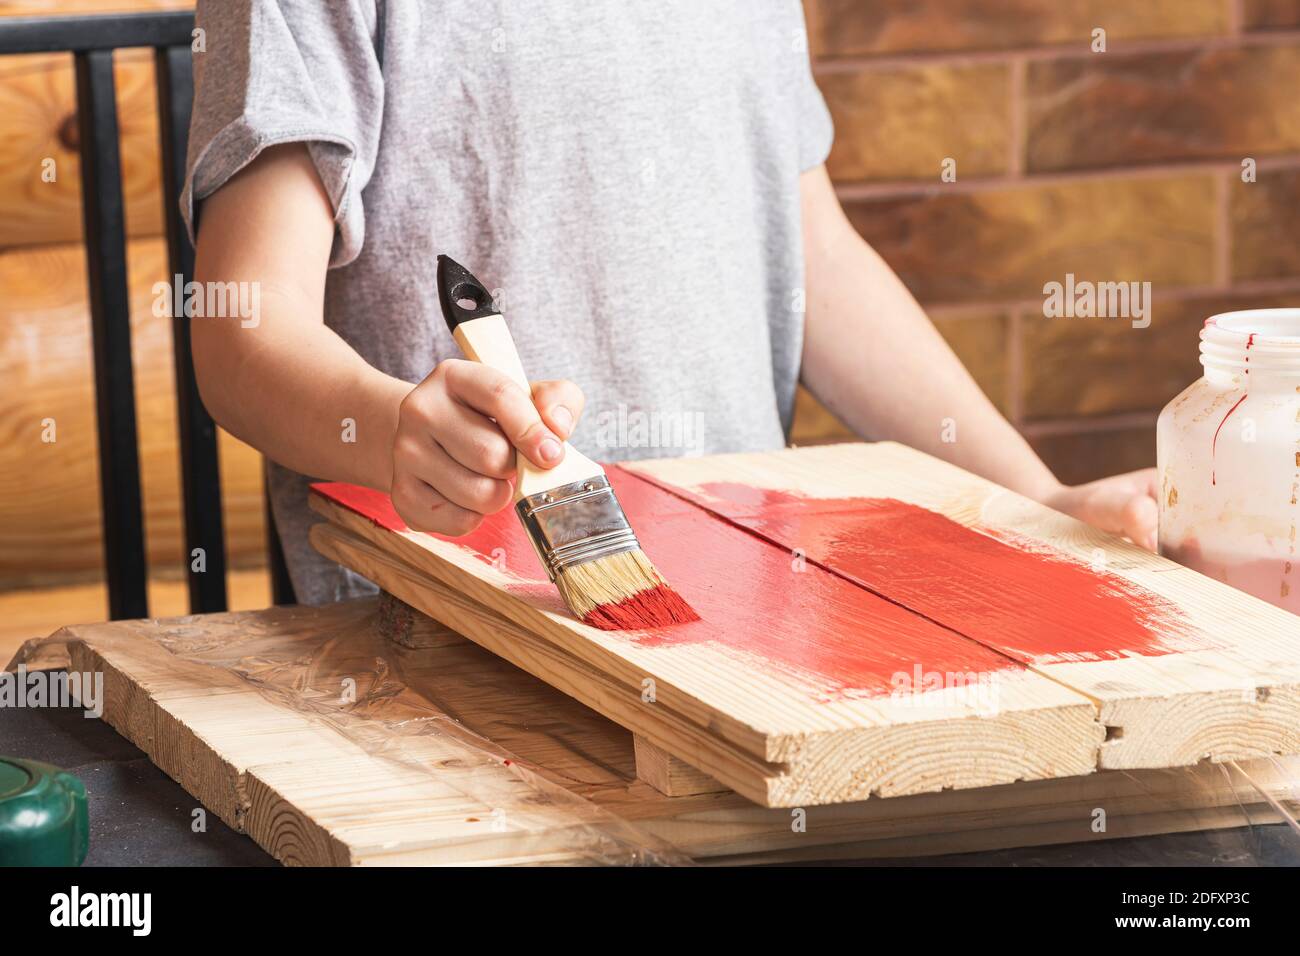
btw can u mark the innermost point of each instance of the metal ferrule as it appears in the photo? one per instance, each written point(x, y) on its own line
point(576, 523)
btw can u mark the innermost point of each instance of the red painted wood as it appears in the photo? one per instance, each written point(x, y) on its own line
point(828, 635)
point(1007, 592)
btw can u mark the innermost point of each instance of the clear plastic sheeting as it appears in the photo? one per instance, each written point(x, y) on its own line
point(489, 765)
point(340, 666)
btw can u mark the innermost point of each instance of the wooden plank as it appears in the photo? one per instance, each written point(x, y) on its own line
point(306, 792)
point(620, 702)
point(1182, 667)
point(667, 774)
point(789, 667)
point(310, 804)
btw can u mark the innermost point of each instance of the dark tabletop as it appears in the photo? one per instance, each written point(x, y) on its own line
point(139, 815)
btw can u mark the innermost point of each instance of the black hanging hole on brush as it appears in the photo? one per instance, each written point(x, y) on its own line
point(461, 295)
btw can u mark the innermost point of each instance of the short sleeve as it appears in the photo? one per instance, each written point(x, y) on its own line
point(816, 130)
point(283, 71)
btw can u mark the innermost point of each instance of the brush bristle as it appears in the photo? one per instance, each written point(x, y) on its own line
point(622, 592)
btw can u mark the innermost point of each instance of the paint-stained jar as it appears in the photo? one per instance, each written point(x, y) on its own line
point(1228, 457)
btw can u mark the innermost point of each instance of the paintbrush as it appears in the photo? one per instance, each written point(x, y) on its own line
point(570, 512)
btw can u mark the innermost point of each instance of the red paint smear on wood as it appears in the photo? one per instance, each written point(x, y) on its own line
point(1008, 593)
point(654, 607)
point(828, 636)
point(367, 502)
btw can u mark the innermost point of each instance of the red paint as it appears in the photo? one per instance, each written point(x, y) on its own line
point(1009, 594)
point(1214, 445)
point(654, 607)
point(826, 635)
point(367, 502)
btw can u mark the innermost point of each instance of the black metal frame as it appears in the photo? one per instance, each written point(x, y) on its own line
point(91, 40)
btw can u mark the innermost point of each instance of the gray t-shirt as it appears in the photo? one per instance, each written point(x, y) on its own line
point(623, 175)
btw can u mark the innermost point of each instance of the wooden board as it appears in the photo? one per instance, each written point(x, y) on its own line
point(670, 775)
point(1200, 670)
point(287, 774)
point(619, 701)
point(790, 676)
point(1173, 667)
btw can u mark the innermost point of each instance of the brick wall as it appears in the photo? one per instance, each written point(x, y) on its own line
point(1123, 165)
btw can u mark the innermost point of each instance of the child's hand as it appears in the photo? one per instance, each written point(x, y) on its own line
point(457, 434)
point(1122, 504)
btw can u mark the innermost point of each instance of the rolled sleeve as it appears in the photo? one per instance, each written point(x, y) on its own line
point(285, 72)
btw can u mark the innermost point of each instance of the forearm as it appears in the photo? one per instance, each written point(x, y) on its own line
point(873, 357)
point(278, 377)
point(301, 395)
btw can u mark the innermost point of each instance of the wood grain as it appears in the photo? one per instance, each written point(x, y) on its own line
point(1227, 687)
point(38, 108)
point(834, 746)
point(31, 613)
point(49, 491)
point(667, 774)
point(314, 805)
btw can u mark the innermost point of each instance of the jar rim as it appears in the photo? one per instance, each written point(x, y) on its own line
point(1263, 340)
point(1282, 325)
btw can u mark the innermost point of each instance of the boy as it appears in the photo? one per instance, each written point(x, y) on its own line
point(643, 183)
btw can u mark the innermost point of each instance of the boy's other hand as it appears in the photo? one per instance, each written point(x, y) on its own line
point(1122, 504)
point(457, 435)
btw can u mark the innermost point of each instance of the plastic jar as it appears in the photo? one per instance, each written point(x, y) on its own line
point(1228, 457)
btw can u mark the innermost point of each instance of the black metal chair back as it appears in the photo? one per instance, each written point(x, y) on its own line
point(91, 40)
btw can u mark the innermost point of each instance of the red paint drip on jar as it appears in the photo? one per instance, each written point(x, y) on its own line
point(1214, 444)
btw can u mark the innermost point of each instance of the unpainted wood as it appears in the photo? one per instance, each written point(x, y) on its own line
point(835, 750)
point(667, 774)
point(38, 109)
point(49, 497)
point(919, 754)
point(316, 805)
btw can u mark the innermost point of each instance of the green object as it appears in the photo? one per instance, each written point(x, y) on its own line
point(43, 819)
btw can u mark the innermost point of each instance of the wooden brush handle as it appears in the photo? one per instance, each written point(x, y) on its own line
point(487, 340)
point(482, 333)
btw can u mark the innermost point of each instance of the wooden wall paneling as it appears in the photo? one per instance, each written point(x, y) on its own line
point(49, 508)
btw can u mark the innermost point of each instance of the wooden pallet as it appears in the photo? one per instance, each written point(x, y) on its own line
point(517, 771)
point(1221, 680)
point(789, 690)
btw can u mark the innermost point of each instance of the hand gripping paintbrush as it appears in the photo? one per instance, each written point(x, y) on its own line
point(570, 512)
